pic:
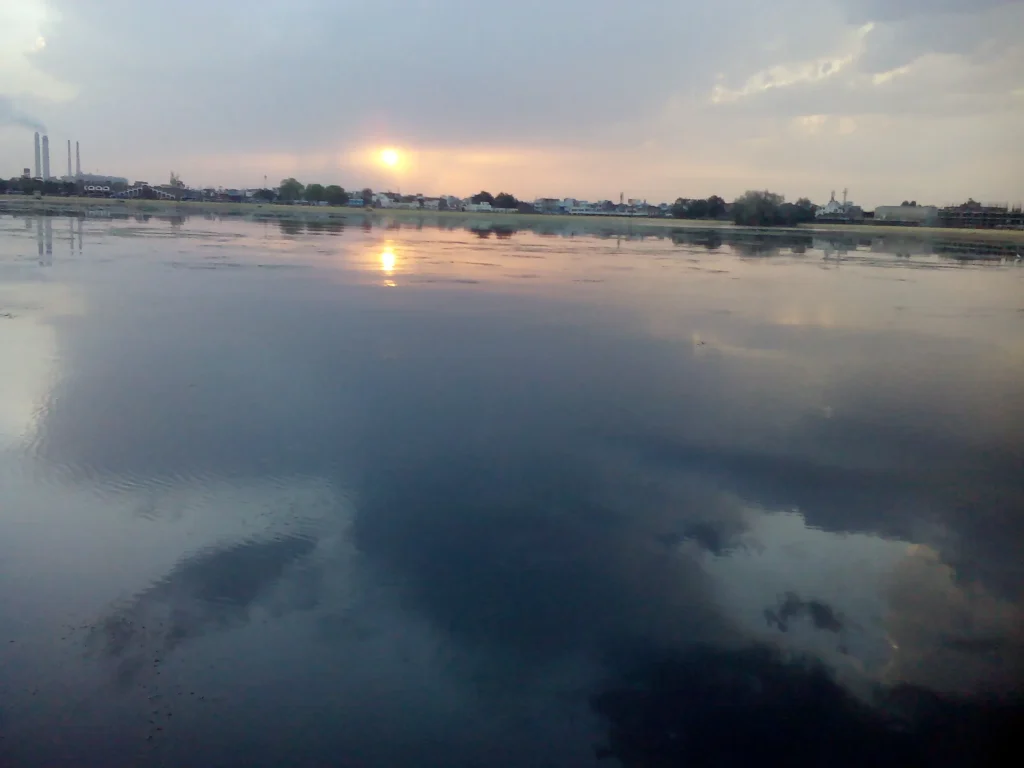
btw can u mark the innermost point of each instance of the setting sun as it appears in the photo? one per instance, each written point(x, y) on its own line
point(389, 157)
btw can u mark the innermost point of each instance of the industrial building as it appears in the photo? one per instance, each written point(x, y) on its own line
point(907, 215)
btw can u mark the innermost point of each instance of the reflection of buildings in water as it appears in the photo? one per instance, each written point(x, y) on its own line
point(969, 251)
point(48, 227)
point(44, 240)
point(834, 247)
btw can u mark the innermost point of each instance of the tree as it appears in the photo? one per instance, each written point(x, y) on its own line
point(483, 197)
point(315, 193)
point(335, 195)
point(800, 212)
point(266, 195)
point(505, 200)
point(176, 181)
point(290, 190)
point(757, 209)
point(698, 209)
point(367, 197)
point(684, 208)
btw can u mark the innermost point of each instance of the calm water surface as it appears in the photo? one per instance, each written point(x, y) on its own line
point(379, 495)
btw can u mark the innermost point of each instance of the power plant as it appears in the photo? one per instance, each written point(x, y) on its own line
point(46, 158)
point(42, 162)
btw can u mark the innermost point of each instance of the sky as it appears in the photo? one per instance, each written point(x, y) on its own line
point(657, 99)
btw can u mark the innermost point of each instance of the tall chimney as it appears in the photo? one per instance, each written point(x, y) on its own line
point(46, 158)
point(38, 168)
point(69, 158)
point(78, 162)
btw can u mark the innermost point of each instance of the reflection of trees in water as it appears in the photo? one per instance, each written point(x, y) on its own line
point(714, 707)
point(292, 227)
point(328, 226)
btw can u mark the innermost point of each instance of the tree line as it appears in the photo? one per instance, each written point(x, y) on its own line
point(292, 190)
point(754, 208)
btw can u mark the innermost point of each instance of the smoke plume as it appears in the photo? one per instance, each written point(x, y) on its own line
point(11, 115)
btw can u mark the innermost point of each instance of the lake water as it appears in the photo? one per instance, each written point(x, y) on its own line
point(382, 493)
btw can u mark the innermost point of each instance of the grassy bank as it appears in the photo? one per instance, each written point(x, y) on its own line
point(71, 206)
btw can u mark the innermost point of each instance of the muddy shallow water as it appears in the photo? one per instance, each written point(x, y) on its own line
point(309, 493)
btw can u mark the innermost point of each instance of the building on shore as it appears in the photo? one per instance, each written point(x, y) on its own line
point(975, 215)
point(836, 211)
point(907, 215)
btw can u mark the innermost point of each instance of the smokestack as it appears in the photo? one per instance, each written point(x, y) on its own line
point(46, 158)
point(78, 162)
point(38, 167)
point(69, 158)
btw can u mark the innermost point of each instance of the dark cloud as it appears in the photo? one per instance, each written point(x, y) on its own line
point(210, 591)
point(424, 73)
point(754, 705)
point(820, 614)
point(881, 10)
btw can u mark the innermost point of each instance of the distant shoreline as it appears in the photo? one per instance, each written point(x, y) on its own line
point(11, 204)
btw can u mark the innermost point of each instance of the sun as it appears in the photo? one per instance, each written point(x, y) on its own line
point(389, 157)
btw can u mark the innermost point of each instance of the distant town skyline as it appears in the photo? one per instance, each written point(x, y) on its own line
point(911, 100)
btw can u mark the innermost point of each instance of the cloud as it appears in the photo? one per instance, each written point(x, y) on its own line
point(796, 73)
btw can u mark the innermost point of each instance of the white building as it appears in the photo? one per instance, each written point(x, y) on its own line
point(834, 208)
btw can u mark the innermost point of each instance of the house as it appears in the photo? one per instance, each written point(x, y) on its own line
point(385, 200)
point(584, 208)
